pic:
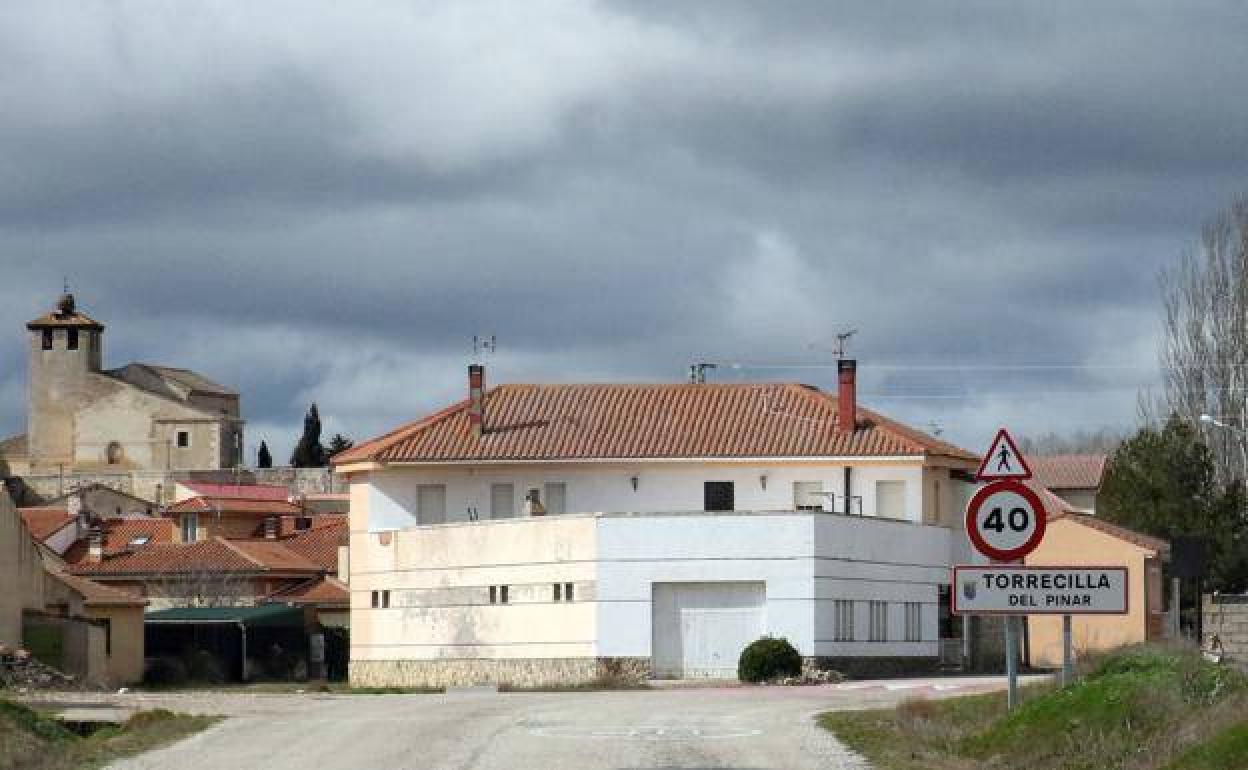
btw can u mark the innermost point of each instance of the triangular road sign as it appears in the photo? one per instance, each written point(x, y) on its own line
point(1003, 460)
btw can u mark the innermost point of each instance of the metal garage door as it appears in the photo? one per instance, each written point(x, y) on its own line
point(699, 629)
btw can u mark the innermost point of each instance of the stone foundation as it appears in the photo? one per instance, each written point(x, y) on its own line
point(517, 672)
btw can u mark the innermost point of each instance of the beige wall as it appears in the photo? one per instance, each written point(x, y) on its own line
point(21, 572)
point(439, 581)
point(125, 662)
point(1067, 542)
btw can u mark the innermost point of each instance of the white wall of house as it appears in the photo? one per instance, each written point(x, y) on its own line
point(661, 486)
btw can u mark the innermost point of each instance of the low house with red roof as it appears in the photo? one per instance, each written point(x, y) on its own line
point(548, 533)
point(1076, 478)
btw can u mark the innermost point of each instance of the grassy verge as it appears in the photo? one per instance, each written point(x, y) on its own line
point(1140, 708)
point(1227, 749)
point(32, 741)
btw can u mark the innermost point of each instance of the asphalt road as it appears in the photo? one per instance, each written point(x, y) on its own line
point(739, 728)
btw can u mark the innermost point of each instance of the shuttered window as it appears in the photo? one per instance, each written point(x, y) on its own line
point(914, 622)
point(808, 495)
point(502, 501)
point(890, 499)
point(879, 621)
point(556, 498)
point(431, 504)
point(844, 610)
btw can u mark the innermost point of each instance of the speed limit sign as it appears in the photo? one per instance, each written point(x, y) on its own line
point(1005, 520)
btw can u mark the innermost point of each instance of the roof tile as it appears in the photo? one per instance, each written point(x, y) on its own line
point(633, 421)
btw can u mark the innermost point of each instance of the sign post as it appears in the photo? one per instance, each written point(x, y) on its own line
point(1005, 521)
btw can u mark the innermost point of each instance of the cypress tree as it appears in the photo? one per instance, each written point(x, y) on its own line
point(308, 452)
point(263, 458)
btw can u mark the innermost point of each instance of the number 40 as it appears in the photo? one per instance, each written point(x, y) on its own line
point(1019, 520)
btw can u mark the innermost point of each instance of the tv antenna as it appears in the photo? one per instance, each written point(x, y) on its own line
point(482, 346)
point(841, 340)
point(697, 371)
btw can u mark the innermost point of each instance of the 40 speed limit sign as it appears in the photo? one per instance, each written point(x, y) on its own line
point(1005, 520)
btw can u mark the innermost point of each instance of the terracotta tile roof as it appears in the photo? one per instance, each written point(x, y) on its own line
point(238, 491)
point(45, 521)
point(603, 421)
point(120, 534)
point(287, 526)
point(97, 594)
point(215, 555)
point(322, 591)
point(274, 555)
point(1069, 471)
point(320, 544)
point(235, 505)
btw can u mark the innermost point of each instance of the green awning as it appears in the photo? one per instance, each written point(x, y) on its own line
point(264, 616)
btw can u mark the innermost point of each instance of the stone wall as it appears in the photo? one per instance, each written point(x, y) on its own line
point(1226, 619)
point(517, 672)
point(157, 486)
point(302, 481)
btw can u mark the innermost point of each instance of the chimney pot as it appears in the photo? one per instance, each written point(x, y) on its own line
point(846, 395)
point(476, 399)
point(95, 545)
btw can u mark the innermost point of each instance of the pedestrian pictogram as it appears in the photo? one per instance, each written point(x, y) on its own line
point(1003, 460)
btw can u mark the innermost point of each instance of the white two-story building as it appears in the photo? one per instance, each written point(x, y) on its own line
point(553, 533)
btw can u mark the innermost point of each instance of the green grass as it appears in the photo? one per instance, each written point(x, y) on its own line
point(1138, 708)
point(1225, 751)
point(32, 741)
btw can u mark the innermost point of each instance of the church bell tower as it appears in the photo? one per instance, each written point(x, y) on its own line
point(66, 347)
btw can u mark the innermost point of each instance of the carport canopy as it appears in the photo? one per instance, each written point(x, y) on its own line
point(266, 616)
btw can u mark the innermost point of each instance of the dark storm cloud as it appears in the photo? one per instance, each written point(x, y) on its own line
point(328, 203)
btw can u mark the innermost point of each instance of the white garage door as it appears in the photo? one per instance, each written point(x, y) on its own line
point(700, 629)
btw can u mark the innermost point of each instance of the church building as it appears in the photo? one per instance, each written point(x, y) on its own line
point(83, 418)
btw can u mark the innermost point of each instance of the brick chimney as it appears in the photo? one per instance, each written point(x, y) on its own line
point(95, 545)
point(846, 395)
point(270, 527)
point(476, 399)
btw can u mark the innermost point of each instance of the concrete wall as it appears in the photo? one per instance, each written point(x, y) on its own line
point(21, 572)
point(607, 487)
point(439, 577)
point(1067, 542)
point(125, 656)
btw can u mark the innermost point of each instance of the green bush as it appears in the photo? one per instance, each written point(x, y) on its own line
point(767, 659)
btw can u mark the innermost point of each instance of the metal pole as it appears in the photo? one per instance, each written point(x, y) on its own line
point(1068, 659)
point(1175, 600)
point(1011, 662)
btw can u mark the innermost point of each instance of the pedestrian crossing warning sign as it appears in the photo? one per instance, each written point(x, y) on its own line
point(1003, 460)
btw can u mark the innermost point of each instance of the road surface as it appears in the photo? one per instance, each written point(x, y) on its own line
point(744, 728)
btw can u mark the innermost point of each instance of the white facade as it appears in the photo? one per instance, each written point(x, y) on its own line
point(762, 485)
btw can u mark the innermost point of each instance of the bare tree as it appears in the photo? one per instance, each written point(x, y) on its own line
point(1103, 441)
point(202, 588)
point(1204, 350)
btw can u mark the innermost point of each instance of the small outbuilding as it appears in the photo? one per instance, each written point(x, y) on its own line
point(238, 643)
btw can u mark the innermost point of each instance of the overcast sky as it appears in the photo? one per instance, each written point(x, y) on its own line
point(326, 201)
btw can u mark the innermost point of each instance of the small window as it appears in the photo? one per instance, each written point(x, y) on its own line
point(385, 599)
point(914, 622)
point(303, 523)
point(502, 501)
point(72, 339)
point(376, 599)
point(890, 499)
point(844, 610)
point(47, 339)
point(556, 498)
point(718, 496)
point(558, 590)
point(879, 621)
point(567, 592)
point(190, 527)
point(431, 504)
point(184, 439)
point(141, 540)
point(502, 594)
point(493, 594)
point(808, 495)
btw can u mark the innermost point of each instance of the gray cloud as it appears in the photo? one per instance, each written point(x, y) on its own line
point(327, 203)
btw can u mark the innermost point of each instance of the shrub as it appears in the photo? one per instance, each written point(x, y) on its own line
point(767, 659)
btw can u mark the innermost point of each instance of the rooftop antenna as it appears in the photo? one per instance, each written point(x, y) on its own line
point(935, 428)
point(483, 346)
point(65, 284)
point(697, 371)
point(841, 340)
